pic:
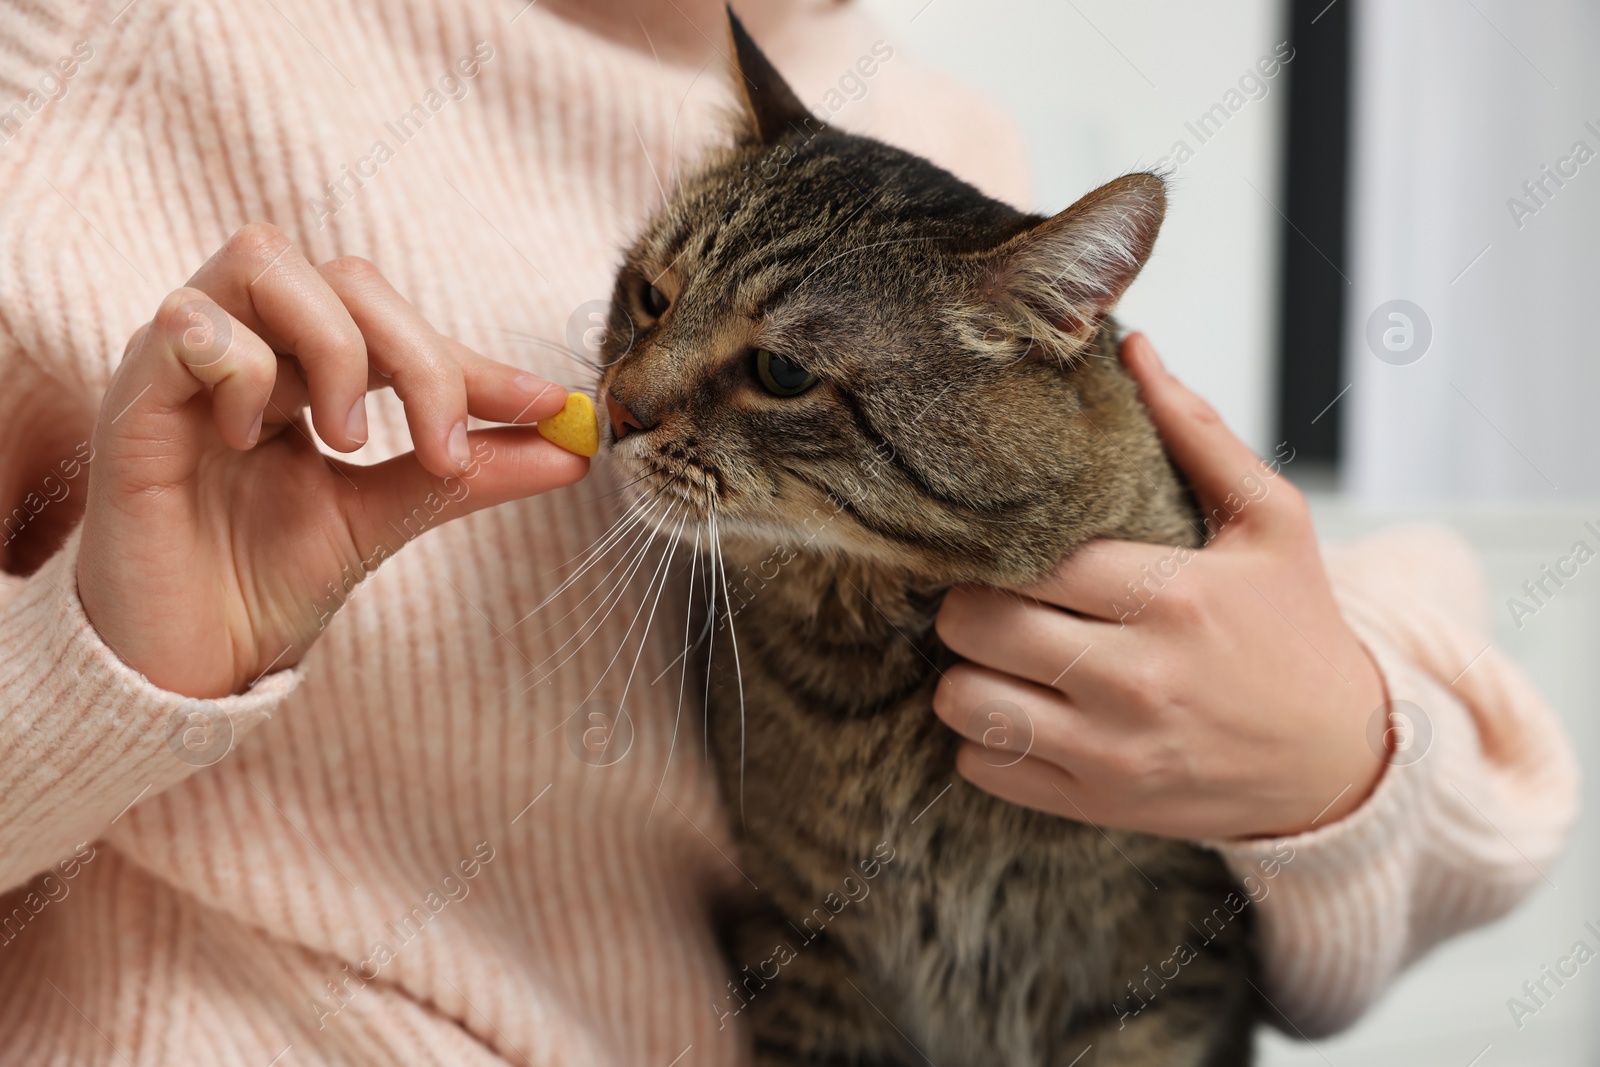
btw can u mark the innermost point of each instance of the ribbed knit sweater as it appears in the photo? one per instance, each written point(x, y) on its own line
point(395, 852)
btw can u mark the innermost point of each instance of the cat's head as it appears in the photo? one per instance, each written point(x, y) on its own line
point(827, 340)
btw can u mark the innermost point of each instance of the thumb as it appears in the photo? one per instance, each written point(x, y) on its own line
point(1217, 464)
point(397, 500)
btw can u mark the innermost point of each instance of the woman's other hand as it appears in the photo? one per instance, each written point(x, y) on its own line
point(1198, 693)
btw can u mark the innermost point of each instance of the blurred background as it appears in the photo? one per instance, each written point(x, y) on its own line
point(1383, 253)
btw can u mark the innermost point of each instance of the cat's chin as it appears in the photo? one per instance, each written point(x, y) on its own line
point(684, 490)
point(687, 514)
point(766, 547)
point(687, 503)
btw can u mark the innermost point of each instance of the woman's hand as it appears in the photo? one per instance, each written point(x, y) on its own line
point(1211, 693)
point(217, 540)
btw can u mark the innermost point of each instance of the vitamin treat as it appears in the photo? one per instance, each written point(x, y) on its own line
point(575, 427)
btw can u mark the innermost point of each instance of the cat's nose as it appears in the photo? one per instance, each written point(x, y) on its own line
point(622, 420)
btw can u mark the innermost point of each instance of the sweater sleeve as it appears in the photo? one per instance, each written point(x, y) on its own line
point(1474, 806)
point(83, 736)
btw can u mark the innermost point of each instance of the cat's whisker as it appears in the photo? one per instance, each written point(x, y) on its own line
point(590, 504)
point(669, 266)
point(531, 338)
point(629, 484)
point(642, 534)
point(637, 525)
point(635, 515)
point(608, 604)
point(683, 678)
point(688, 648)
point(596, 552)
point(650, 163)
point(621, 588)
point(711, 643)
point(562, 350)
point(630, 512)
point(672, 138)
point(649, 492)
point(520, 337)
point(733, 638)
point(644, 637)
point(604, 609)
point(658, 575)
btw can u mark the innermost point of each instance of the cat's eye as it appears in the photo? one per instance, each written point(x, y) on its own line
point(780, 376)
point(655, 301)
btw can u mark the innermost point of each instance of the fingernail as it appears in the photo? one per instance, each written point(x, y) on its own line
point(355, 425)
point(255, 431)
point(536, 388)
point(458, 445)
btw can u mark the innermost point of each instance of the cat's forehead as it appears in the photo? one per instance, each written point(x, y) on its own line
point(742, 230)
point(826, 215)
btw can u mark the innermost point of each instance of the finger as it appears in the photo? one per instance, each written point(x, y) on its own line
point(264, 282)
point(1015, 634)
point(1223, 471)
point(402, 344)
point(398, 499)
point(495, 391)
point(1009, 716)
point(1033, 783)
point(1111, 580)
point(440, 380)
point(289, 396)
point(149, 414)
point(501, 393)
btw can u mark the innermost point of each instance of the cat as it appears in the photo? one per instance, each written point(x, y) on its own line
point(868, 382)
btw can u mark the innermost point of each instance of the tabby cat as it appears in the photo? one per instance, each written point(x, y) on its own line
point(877, 382)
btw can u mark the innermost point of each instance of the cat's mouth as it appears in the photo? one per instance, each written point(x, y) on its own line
point(672, 472)
point(669, 476)
point(678, 478)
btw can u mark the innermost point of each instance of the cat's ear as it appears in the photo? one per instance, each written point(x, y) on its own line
point(1064, 275)
point(770, 107)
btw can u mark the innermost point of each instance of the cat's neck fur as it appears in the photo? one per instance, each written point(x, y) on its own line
point(870, 624)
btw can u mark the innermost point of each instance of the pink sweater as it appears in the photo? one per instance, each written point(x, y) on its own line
point(400, 858)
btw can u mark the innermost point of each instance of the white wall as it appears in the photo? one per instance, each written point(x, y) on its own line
point(1101, 88)
point(1458, 105)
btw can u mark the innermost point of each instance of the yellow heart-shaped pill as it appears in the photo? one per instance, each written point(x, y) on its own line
point(575, 427)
